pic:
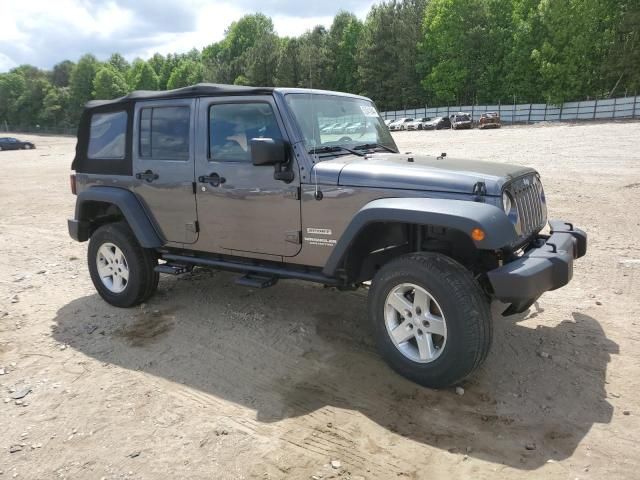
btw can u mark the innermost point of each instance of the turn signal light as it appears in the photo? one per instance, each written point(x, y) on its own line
point(477, 234)
point(72, 179)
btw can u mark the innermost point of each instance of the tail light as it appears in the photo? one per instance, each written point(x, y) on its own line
point(72, 180)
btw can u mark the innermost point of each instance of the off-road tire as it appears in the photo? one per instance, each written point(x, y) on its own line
point(464, 305)
point(143, 280)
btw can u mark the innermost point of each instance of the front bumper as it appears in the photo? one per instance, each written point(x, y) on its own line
point(547, 266)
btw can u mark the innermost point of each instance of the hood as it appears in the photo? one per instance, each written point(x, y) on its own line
point(428, 173)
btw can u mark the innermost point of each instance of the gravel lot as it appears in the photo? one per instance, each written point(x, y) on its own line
point(211, 380)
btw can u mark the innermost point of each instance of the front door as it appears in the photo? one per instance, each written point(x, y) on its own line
point(163, 165)
point(242, 209)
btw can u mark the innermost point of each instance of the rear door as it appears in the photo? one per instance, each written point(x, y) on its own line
point(242, 209)
point(163, 165)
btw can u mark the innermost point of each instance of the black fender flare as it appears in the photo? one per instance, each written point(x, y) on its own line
point(130, 207)
point(462, 215)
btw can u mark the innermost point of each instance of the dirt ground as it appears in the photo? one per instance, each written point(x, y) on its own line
point(210, 380)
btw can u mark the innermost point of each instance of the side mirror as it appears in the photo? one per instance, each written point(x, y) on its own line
point(268, 151)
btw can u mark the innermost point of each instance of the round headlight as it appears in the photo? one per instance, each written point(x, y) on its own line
point(506, 202)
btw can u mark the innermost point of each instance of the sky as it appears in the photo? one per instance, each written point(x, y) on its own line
point(45, 32)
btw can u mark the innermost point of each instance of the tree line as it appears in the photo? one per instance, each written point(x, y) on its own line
point(405, 54)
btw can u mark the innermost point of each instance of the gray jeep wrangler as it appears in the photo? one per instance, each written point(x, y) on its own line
point(278, 183)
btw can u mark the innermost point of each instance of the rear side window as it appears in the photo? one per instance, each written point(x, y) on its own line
point(107, 137)
point(164, 133)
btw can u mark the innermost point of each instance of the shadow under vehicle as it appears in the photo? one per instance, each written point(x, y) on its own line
point(299, 351)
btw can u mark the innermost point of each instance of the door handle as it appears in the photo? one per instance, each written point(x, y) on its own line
point(149, 176)
point(214, 179)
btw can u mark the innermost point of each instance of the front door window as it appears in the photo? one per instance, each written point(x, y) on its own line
point(233, 125)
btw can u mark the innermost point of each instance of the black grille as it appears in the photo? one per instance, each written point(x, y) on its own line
point(528, 196)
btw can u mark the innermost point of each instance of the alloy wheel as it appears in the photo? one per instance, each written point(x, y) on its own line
point(415, 323)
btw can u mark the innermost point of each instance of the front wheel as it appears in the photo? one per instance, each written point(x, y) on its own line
point(121, 270)
point(431, 320)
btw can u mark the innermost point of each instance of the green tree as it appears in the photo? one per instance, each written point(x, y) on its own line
point(316, 67)
point(214, 66)
point(109, 83)
point(12, 86)
point(572, 52)
point(61, 73)
point(81, 83)
point(288, 69)
point(621, 70)
point(188, 72)
point(262, 60)
point(145, 78)
point(54, 107)
point(387, 54)
point(119, 63)
point(344, 37)
point(170, 64)
point(157, 63)
point(249, 49)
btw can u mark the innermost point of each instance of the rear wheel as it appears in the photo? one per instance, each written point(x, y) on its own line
point(431, 321)
point(121, 270)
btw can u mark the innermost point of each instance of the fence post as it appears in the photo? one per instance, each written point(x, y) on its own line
point(595, 109)
point(561, 108)
point(546, 105)
point(615, 104)
point(635, 101)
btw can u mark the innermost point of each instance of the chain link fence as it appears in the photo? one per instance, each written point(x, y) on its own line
point(67, 131)
point(605, 109)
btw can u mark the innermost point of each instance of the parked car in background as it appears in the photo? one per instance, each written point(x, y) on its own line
point(400, 124)
point(341, 127)
point(387, 122)
point(490, 120)
point(418, 123)
point(327, 128)
point(355, 127)
point(10, 143)
point(460, 121)
point(437, 123)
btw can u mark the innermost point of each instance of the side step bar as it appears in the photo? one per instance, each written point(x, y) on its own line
point(252, 270)
point(256, 281)
point(172, 268)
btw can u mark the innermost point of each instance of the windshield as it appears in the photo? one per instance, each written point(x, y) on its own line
point(337, 121)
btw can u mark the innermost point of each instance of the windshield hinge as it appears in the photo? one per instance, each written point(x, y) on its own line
point(293, 194)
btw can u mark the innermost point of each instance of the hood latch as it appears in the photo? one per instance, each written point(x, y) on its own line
point(479, 190)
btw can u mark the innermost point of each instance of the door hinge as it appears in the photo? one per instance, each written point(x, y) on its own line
point(294, 237)
point(293, 194)
point(193, 187)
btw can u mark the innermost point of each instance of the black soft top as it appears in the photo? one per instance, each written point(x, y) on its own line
point(199, 90)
